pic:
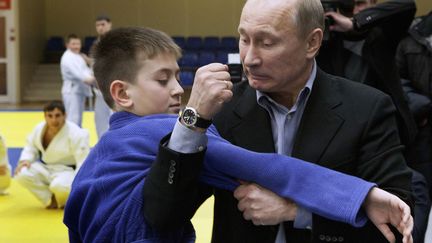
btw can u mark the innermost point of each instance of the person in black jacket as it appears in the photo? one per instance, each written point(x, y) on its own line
point(414, 61)
point(362, 46)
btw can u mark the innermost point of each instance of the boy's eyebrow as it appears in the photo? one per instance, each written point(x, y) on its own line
point(166, 71)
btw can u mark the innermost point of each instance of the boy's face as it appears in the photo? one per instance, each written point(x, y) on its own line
point(74, 45)
point(156, 88)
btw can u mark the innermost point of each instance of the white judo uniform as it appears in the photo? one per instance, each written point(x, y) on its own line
point(74, 71)
point(53, 169)
point(4, 179)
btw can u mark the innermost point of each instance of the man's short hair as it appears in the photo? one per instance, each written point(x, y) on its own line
point(103, 17)
point(53, 105)
point(308, 15)
point(119, 53)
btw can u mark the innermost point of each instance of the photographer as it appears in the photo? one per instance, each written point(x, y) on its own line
point(362, 46)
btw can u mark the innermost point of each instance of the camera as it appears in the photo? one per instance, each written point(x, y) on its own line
point(344, 7)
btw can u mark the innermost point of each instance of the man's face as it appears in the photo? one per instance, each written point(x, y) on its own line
point(102, 27)
point(156, 89)
point(273, 56)
point(74, 45)
point(55, 118)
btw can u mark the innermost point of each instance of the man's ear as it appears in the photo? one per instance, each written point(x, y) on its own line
point(313, 41)
point(120, 94)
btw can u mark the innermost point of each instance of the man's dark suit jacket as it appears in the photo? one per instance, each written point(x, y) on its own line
point(346, 126)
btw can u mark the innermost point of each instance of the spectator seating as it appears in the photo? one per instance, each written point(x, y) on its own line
point(189, 60)
point(211, 43)
point(229, 43)
point(54, 49)
point(194, 43)
point(199, 51)
point(206, 57)
point(180, 41)
point(222, 56)
point(88, 43)
point(187, 78)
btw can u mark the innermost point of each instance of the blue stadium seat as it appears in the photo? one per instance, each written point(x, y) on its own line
point(180, 41)
point(194, 43)
point(206, 57)
point(229, 43)
point(186, 78)
point(54, 49)
point(222, 56)
point(211, 43)
point(55, 43)
point(189, 59)
point(88, 43)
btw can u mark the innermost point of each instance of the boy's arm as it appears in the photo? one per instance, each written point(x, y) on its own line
point(172, 192)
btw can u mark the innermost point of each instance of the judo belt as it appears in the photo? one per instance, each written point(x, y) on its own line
point(43, 162)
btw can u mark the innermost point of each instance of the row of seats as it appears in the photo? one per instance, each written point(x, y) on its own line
point(209, 43)
point(193, 59)
point(198, 51)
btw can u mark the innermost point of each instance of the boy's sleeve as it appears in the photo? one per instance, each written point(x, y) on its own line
point(338, 196)
point(30, 152)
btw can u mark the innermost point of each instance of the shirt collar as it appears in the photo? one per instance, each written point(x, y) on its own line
point(304, 93)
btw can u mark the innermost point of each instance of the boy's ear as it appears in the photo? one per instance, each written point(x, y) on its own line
point(119, 93)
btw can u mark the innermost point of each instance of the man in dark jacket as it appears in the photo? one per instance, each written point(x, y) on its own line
point(362, 46)
point(414, 60)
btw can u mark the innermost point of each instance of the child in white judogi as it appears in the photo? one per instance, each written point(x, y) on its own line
point(77, 79)
point(5, 168)
point(54, 152)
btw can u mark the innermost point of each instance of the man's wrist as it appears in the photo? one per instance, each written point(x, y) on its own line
point(196, 129)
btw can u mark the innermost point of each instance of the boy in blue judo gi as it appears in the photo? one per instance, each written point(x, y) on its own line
point(137, 73)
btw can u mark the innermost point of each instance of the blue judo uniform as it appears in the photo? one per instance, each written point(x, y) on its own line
point(106, 201)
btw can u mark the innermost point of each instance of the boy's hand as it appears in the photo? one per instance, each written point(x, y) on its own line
point(212, 87)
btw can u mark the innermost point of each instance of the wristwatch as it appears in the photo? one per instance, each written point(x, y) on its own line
point(191, 118)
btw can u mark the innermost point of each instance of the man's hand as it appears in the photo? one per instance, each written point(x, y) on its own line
point(341, 22)
point(21, 165)
point(262, 206)
point(211, 88)
point(384, 208)
point(3, 170)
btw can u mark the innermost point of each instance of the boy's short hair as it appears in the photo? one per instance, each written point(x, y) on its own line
point(119, 53)
point(71, 36)
point(55, 104)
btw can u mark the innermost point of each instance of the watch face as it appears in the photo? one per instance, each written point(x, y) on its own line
point(189, 117)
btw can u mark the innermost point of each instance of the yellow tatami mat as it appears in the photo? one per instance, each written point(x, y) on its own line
point(23, 219)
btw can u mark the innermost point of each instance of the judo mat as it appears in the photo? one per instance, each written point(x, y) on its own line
point(23, 219)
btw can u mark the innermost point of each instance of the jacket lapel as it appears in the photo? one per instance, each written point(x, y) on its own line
point(253, 128)
point(320, 121)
